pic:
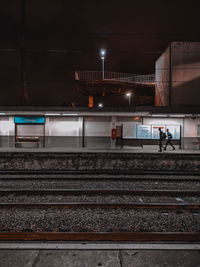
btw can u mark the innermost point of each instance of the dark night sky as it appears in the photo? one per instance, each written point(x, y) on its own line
point(134, 33)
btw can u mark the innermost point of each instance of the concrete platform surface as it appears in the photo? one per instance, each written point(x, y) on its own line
point(91, 258)
point(97, 150)
point(108, 245)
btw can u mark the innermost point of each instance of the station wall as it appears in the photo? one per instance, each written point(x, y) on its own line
point(97, 131)
point(63, 131)
point(7, 129)
point(93, 131)
point(163, 120)
point(190, 133)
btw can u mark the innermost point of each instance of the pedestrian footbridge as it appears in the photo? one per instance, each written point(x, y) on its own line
point(148, 80)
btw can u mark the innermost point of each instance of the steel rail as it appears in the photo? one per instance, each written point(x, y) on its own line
point(102, 192)
point(164, 206)
point(86, 172)
point(93, 179)
point(108, 236)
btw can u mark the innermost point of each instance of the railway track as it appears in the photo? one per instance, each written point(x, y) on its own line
point(69, 216)
point(128, 198)
point(162, 206)
point(99, 176)
point(97, 172)
point(108, 178)
point(101, 192)
point(137, 237)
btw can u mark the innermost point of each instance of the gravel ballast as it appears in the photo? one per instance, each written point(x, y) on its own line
point(59, 198)
point(57, 219)
point(97, 176)
point(129, 185)
point(97, 220)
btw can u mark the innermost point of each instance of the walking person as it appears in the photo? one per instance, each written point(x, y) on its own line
point(162, 136)
point(169, 138)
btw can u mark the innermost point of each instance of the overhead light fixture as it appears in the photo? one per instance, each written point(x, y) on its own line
point(2, 113)
point(100, 105)
point(70, 114)
point(103, 54)
point(177, 115)
point(160, 115)
point(52, 114)
point(129, 98)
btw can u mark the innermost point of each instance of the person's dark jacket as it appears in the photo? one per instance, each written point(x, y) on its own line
point(162, 135)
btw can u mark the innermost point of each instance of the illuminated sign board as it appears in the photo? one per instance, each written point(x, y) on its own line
point(129, 131)
point(27, 120)
point(174, 130)
point(155, 131)
point(139, 131)
point(144, 132)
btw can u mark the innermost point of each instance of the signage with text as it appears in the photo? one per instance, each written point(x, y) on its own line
point(144, 132)
point(155, 131)
point(129, 131)
point(174, 130)
point(33, 120)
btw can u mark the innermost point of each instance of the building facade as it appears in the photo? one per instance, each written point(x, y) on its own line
point(178, 75)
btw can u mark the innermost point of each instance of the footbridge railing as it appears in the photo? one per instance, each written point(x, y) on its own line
point(115, 76)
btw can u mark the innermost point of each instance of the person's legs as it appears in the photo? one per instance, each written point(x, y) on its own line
point(171, 144)
point(166, 144)
point(160, 145)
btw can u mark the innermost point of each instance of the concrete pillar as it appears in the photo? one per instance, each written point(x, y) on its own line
point(47, 137)
point(113, 126)
point(11, 132)
point(81, 131)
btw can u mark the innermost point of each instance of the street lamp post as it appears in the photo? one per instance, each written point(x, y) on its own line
point(129, 99)
point(102, 53)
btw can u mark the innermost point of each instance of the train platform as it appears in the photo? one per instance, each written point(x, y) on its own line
point(63, 159)
point(97, 150)
point(55, 255)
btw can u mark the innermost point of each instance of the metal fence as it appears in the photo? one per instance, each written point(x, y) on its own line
point(115, 76)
